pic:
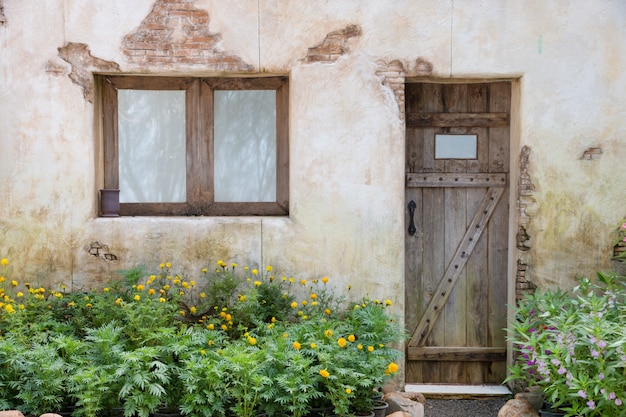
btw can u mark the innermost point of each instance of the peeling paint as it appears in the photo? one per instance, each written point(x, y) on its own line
point(84, 65)
point(592, 153)
point(100, 250)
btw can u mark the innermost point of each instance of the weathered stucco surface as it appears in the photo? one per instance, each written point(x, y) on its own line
point(346, 134)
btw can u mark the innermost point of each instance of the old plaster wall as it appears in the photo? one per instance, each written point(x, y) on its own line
point(346, 131)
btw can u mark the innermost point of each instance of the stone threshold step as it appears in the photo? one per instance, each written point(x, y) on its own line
point(459, 391)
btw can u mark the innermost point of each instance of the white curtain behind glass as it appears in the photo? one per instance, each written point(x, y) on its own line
point(151, 128)
point(245, 146)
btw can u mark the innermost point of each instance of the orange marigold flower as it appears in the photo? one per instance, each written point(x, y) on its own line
point(370, 348)
point(392, 368)
point(351, 338)
point(324, 373)
point(341, 342)
point(296, 345)
point(324, 280)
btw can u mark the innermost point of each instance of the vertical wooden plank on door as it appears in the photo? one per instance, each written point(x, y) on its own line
point(477, 265)
point(434, 267)
point(455, 101)
point(431, 101)
point(414, 292)
point(499, 150)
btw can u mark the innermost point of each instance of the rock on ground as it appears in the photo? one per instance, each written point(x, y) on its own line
point(518, 408)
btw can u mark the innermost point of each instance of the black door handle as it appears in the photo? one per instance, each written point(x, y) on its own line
point(411, 208)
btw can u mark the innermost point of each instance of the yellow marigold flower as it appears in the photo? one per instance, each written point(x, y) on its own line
point(228, 317)
point(324, 373)
point(233, 265)
point(376, 301)
point(348, 391)
point(224, 327)
point(392, 368)
point(88, 305)
point(222, 314)
point(313, 345)
point(161, 265)
point(300, 313)
point(221, 263)
point(246, 268)
point(9, 309)
point(193, 310)
point(210, 342)
point(137, 297)
point(388, 302)
point(176, 281)
point(252, 340)
point(351, 338)
point(14, 283)
point(71, 304)
point(185, 284)
point(381, 345)
point(328, 333)
point(270, 326)
point(268, 268)
point(291, 280)
point(324, 280)
point(169, 277)
point(370, 348)
point(314, 303)
point(255, 272)
point(210, 326)
point(296, 345)
point(21, 307)
point(204, 270)
point(166, 287)
point(359, 346)
point(283, 278)
point(168, 265)
point(363, 305)
point(271, 278)
point(58, 295)
point(314, 280)
point(192, 283)
point(6, 298)
point(202, 352)
point(181, 293)
point(2, 279)
point(20, 294)
point(327, 312)
point(162, 291)
point(257, 283)
point(151, 291)
point(341, 342)
point(305, 302)
point(285, 335)
point(202, 295)
point(140, 287)
point(294, 305)
point(356, 307)
point(305, 317)
point(4, 261)
point(303, 281)
point(152, 278)
point(182, 312)
point(313, 296)
point(118, 301)
point(242, 298)
point(105, 289)
point(162, 300)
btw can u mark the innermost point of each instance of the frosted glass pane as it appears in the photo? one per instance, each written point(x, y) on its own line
point(245, 146)
point(151, 126)
point(455, 146)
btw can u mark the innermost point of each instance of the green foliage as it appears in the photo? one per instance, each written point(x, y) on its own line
point(572, 345)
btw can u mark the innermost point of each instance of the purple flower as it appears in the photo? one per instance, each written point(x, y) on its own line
point(591, 404)
point(601, 344)
point(562, 370)
point(612, 396)
point(600, 376)
point(594, 353)
point(582, 394)
point(618, 401)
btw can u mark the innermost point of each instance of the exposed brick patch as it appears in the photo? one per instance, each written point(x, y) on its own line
point(522, 285)
point(334, 45)
point(592, 153)
point(394, 74)
point(524, 199)
point(176, 34)
point(83, 65)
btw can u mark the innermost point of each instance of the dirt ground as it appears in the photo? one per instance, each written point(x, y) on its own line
point(464, 408)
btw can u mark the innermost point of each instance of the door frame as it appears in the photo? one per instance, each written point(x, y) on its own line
point(514, 177)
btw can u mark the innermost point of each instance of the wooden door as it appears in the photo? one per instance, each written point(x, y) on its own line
point(457, 231)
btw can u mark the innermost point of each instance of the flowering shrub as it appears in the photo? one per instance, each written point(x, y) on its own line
point(235, 342)
point(573, 346)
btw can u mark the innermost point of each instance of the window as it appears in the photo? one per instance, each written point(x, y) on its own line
point(196, 146)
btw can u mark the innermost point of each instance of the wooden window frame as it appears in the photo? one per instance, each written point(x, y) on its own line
point(199, 144)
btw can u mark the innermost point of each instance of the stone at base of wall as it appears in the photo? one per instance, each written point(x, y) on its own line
point(518, 408)
point(399, 403)
point(11, 413)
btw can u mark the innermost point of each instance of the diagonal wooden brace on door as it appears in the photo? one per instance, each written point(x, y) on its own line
point(456, 265)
